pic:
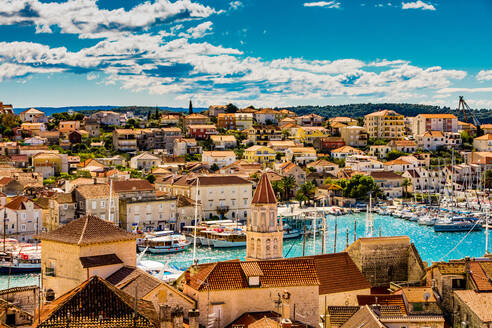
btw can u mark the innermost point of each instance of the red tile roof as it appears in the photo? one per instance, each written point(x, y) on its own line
point(264, 193)
point(383, 300)
point(19, 203)
point(338, 273)
point(132, 185)
point(276, 273)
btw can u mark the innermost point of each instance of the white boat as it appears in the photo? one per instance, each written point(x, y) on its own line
point(165, 242)
point(159, 270)
point(228, 239)
point(22, 259)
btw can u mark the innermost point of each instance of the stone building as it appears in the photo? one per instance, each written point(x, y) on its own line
point(23, 218)
point(62, 209)
point(472, 309)
point(226, 290)
point(80, 249)
point(383, 260)
point(93, 199)
point(264, 234)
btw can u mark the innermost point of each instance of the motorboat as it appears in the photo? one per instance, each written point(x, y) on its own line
point(164, 242)
point(22, 259)
point(458, 224)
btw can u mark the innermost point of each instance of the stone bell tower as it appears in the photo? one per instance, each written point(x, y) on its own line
point(264, 230)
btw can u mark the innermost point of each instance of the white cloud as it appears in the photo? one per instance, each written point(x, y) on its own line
point(471, 90)
point(417, 5)
point(235, 5)
point(326, 4)
point(92, 76)
point(198, 31)
point(86, 19)
point(484, 75)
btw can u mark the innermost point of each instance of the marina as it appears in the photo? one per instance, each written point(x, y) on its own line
point(432, 246)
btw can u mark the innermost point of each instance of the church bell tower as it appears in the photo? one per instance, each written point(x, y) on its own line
point(264, 230)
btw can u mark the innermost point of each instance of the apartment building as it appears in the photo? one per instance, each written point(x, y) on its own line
point(483, 143)
point(389, 182)
point(147, 213)
point(201, 131)
point(267, 116)
point(432, 140)
point(301, 155)
point(109, 118)
point(226, 121)
point(226, 196)
point(195, 119)
point(261, 135)
point(385, 124)
point(125, 140)
point(259, 154)
point(434, 122)
point(186, 146)
point(222, 142)
point(353, 135)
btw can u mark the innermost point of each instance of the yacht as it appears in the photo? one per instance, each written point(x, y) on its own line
point(458, 224)
point(164, 242)
point(22, 259)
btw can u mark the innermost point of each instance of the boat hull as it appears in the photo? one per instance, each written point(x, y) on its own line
point(4, 269)
point(163, 250)
point(455, 228)
point(227, 243)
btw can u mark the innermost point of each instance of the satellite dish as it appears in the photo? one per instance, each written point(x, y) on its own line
point(426, 296)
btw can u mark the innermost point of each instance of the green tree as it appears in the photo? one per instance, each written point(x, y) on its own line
point(288, 184)
point(394, 154)
point(359, 186)
point(151, 178)
point(214, 167)
point(405, 184)
point(306, 193)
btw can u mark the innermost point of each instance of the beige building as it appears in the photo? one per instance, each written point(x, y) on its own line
point(228, 196)
point(226, 290)
point(434, 122)
point(68, 126)
point(61, 210)
point(472, 309)
point(219, 157)
point(354, 135)
point(125, 140)
point(147, 213)
point(85, 247)
point(144, 161)
point(385, 124)
point(483, 143)
point(23, 218)
point(93, 199)
point(264, 234)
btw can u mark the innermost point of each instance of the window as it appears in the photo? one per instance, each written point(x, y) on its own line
point(103, 204)
point(23, 227)
point(245, 201)
point(65, 206)
point(94, 204)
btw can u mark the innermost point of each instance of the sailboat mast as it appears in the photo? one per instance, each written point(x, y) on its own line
point(196, 216)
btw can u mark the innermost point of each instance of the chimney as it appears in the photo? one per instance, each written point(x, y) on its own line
point(193, 318)
point(286, 323)
point(286, 306)
point(177, 317)
point(165, 316)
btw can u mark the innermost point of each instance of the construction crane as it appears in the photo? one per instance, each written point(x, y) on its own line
point(463, 106)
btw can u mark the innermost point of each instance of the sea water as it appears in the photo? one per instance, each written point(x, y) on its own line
point(432, 246)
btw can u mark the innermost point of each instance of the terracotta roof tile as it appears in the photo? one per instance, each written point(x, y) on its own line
point(340, 314)
point(264, 193)
point(88, 230)
point(120, 186)
point(276, 273)
point(19, 203)
point(338, 273)
point(383, 300)
point(479, 276)
point(479, 303)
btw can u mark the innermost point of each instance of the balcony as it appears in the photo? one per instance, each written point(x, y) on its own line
point(222, 209)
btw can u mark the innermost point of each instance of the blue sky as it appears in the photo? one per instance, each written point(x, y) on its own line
point(259, 52)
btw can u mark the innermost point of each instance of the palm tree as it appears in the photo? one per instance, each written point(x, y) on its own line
point(306, 193)
point(288, 184)
point(405, 184)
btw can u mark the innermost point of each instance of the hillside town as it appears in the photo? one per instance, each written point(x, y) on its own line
point(99, 207)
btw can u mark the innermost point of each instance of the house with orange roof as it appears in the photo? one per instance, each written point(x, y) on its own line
point(467, 127)
point(434, 122)
point(23, 218)
point(33, 115)
point(363, 163)
point(292, 170)
point(310, 120)
point(345, 151)
point(486, 128)
point(399, 165)
point(385, 124)
point(343, 119)
point(267, 116)
point(220, 158)
point(301, 155)
point(483, 143)
point(432, 140)
point(195, 119)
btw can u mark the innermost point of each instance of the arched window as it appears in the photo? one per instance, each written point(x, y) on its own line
point(275, 245)
point(252, 247)
point(268, 248)
point(258, 246)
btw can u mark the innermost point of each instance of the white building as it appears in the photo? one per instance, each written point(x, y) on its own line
point(434, 122)
point(432, 140)
point(219, 157)
point(363, 163)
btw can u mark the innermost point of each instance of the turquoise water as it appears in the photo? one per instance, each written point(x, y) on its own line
point(432, 246)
